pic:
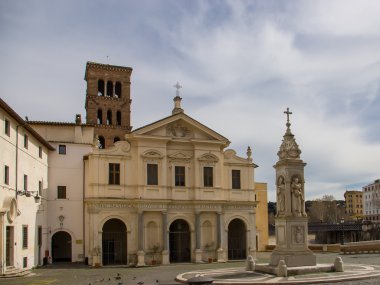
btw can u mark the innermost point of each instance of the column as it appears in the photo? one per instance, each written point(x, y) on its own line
point(252, 234)
point(198, 251)
point(140, 238)
point(165, 240)
point(219, 230)
point(219, 235)
point(140, 232)
point(197, 230)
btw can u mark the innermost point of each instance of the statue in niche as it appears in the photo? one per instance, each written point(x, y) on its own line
point(297, 197)
point(280, 196)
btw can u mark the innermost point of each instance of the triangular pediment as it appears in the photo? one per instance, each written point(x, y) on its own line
point(181, 127)
point(179, 156)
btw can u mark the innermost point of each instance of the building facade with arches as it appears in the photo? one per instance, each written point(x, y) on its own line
point(170, 192)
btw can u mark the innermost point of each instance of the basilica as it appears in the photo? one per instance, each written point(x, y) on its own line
point(106, 194)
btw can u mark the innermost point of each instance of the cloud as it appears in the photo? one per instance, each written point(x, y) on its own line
point(241, 63)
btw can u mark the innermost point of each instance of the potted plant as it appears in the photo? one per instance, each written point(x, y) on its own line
point(154, 251)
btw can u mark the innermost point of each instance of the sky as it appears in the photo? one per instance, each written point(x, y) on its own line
point(241, 64)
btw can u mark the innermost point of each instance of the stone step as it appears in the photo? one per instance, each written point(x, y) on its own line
point(11, 272)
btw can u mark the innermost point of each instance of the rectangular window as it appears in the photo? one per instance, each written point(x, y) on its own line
point(114, 174)
point(236, 179)
point(25, 262)
point(7, 127)
point(179, 175)
point(25, 182)
point(61, 192)
point(40, 188)
point(40, 151)
point(152, 174)
point(208, 176)
point(39, 236)
point(6, 175)
point(62, 149)
point(24, 236)
point(26, 141)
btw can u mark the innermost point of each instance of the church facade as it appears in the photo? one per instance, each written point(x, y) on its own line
point(169, 192)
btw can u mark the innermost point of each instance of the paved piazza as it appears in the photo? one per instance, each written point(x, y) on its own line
point(362, 265)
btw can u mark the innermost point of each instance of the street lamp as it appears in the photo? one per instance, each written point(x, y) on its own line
point(342, 231)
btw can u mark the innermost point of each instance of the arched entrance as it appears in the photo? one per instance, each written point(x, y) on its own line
point(61, 247)
point(179, 241)
point(114, 245)
point(237, 240)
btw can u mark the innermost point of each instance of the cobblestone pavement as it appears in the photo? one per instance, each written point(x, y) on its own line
point(74, 274)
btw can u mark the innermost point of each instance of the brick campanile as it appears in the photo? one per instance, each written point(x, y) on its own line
point(108, 101)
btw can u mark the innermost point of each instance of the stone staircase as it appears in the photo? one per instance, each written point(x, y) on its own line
point(11, 271)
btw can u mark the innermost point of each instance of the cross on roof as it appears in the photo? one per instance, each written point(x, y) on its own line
point(177, 86)
point(287, 112)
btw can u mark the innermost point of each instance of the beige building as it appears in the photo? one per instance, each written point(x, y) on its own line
point(354, 204)
point(170, 192)
point(23, 184)
point(72, 141)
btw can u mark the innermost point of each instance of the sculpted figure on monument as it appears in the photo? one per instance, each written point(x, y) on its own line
point(297, 197)
point(280, 196)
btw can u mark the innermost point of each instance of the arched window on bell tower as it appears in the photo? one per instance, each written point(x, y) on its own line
point(118, 118)
point(100, 117)
point(100, 87)
point(118, 89)
point(109, 117)
point(102, 142)
point(109, 89)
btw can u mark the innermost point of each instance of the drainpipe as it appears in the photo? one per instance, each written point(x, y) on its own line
point(16, 184)
point(83, 212)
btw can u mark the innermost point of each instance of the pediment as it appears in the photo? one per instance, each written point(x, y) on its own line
point(180, 127)
point(209, 158)
point(152, 154)
point(179, 156)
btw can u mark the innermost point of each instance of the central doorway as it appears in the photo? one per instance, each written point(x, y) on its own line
point(61, 247)
point(237, 240)
point(179, 241)
point(114, 242)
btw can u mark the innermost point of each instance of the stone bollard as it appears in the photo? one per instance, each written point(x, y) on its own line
point(338, 264)
point(250, 264)
point(199, 280)
point(282, 269)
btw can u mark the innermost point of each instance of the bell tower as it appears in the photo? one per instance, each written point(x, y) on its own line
point(108, 101)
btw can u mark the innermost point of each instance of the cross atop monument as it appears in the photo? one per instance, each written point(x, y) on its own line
point(177, 86)
point(287, 112)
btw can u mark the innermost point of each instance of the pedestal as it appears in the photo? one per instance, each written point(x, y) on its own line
point(252, 253)
point(198, 256)
point(292, 245)
point(220, 255)
point(140, 258)
point(165, 257)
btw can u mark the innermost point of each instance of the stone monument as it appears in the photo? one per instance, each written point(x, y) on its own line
point(291, 218)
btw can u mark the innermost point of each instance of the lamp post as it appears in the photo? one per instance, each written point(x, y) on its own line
point(342, 231)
